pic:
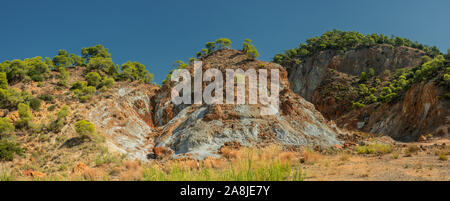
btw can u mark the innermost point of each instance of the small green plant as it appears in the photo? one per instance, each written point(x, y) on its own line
point(47, 98)
point(52, 107)
point(250, 50)
point(85, 129)
point(63, 77)
point(57, 124)
point(442, 157)
point(377, 149)
point(82, 91)
point(9, 149)
point(3, 81)
point(6, 127)
point(35, 103)
point(363, 77)
point(107, 82)
point(358, 105)
point(93, 79)
point(25, 116)
point(371, 72)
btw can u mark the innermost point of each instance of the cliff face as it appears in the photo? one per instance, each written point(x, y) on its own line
point(307, 76)
point(137, 118)
point(330, 82)
point(126, 118)
point(419, 112)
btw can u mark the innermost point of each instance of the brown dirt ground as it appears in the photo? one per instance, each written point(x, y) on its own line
point(424, 165)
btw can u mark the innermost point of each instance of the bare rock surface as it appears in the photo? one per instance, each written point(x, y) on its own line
point(138, 118)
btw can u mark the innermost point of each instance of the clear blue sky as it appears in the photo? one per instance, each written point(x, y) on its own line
point(157, 33)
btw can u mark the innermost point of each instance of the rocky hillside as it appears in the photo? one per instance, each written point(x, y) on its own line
point(390, 89)
point(83, 117)
point(138, 119)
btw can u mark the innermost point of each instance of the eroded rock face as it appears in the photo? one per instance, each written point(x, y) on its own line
point(139, 119)
point(127, 119)
point(420, 112)
point(307, 76)
point(330, 80)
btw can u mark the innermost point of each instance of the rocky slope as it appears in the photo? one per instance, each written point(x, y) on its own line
point(307, 76)
point(137, 119)
point(329, 80)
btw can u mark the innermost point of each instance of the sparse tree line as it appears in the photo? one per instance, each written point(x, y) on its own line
point(342, 41)
point(95, 59)
point(222, 43)
point(101, 73)
point(402, 80)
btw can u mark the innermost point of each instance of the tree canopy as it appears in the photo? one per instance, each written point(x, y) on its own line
point(343, 41)
point(95, 51)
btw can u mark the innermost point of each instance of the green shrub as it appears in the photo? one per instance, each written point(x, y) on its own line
point(377, 81)
point(3, 81)
point(9, 149)
point(374, 149)
point(103, 89)
point(93, 79)
point(62, 59)
point(25, 116)
point(51, 108)
point(63, 77)
point(103, 64)
point(77, 60)
point(35, 103)
point(363, 77)
point(136, 71)
point(211, 46)
point(95, 51)
point(47, 98)
point(250, 50)
point(363, 90)
point(37, 70)
point(6, 127)
point(107, 82)
point(371, 98)
point(358, 105)
point(89, 90)
point(78, 85)
point(223, 43)
point(85, 129)
point(63, 113)
point(389, 97)
point(83, 92)
point(85, 98)
point(10, 98)
point(60, 121)
point(371, 72)
point(446, 79)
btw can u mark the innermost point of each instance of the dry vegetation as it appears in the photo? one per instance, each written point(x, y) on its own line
point(369, 162)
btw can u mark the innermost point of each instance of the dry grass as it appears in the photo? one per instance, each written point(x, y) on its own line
point(246, 164)
point(229, 153)
point(310, 156)
point(377, 149)
point(6, 173)
point(412, 149)
point(91, 174)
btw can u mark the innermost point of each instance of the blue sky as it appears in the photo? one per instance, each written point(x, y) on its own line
point(157, 33)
